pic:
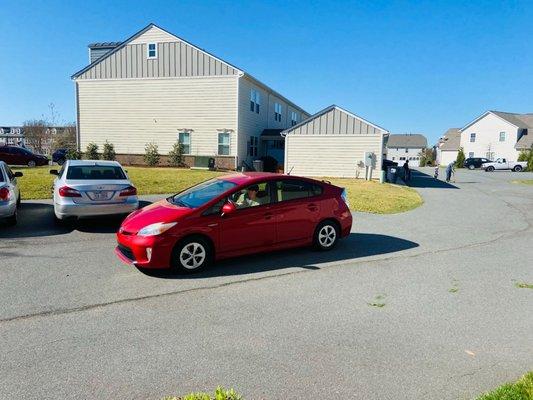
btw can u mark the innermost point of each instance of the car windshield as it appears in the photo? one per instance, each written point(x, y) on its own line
point(202, 193)
point(95, 172)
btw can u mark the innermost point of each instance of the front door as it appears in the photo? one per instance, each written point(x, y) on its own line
point(251, 227)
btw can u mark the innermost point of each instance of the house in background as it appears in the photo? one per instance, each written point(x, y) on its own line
point(448, 145)
point(156, 87)
point(497, 134)
point(403, 147)
point(333, 143)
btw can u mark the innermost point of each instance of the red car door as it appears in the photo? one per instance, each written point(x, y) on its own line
point(297, 211)
point(252, 226)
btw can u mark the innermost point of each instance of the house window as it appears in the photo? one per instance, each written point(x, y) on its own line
point(223, 144)
point(152, 50)
point(185, 139)
point(393, 158)
point(277, 112)
point(472, 137)
point(252, 146)
point(294, 118)
point(255, 100)
point(471, 154)
point(502, 136)
point(407, 150)
point(402, 158)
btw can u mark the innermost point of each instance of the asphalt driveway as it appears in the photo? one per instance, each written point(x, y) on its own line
point(74, 322)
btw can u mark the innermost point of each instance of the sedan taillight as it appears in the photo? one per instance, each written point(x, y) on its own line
point(129, 191)
point(5, 194)
point(66, 191)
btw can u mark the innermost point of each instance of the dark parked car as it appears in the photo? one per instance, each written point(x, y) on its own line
point(475, 162)
point(388, 163)
point(15, 155)
point(60, 156)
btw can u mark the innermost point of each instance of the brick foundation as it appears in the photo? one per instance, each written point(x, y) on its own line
point(221, 162)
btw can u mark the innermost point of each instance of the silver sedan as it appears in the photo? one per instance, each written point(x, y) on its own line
point(9, 193)
point(85, 188)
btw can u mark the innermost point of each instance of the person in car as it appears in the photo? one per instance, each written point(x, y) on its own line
point(249, 199)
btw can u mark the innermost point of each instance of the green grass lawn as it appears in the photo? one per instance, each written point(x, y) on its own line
point(524, 181)
point(367, 196)
point(522, 389)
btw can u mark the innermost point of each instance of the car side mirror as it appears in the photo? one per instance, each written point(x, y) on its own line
point(18, 174)
point(228, 208)
point(54, 172)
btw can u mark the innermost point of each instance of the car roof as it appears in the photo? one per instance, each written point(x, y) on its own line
point(241, 178)
point(93, 162)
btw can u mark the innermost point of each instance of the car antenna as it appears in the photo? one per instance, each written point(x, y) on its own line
point(288, 173)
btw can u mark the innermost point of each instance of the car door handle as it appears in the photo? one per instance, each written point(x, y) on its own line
point(312, 207)
point(268, 215)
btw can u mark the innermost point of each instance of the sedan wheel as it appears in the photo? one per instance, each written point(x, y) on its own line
point(31, 164)
point(326, 236)
point(191, 255)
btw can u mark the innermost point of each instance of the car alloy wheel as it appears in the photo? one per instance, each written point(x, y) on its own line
point(326, 236)
point(31, 164)
point(490, 169)
point(471, 166)
point(191, 255)
point(517, 168)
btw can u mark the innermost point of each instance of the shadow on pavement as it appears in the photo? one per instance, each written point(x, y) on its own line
point(356, 245)
point(37, 220)
point(422, 180)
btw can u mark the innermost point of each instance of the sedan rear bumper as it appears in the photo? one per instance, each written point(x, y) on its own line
point(7, 208)
point(93, 210)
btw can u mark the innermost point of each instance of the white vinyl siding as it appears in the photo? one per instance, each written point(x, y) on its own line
point(330, 155)
point(130, 113)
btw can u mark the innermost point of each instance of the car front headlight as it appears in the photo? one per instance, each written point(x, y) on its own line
point(156, 229)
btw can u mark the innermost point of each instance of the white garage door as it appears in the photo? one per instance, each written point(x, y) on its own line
point(329, 155)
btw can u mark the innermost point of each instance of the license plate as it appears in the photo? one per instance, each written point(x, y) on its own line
point(101, 196)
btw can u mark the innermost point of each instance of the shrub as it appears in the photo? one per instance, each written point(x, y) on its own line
point(151, 155)
point(460, 158)
point(109, 151)
point(175, 156)
point(527, 155)
point(91, 153)
point(73, 154)
point(220, 394)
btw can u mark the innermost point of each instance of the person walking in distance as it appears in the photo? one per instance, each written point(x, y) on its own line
point(406, 172)
point(449, 171)
point(436, 173)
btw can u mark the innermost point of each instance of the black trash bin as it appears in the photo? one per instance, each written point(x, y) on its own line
point(211, 163)
point(392, 174)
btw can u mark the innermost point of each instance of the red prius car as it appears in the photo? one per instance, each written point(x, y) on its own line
point(231, 216)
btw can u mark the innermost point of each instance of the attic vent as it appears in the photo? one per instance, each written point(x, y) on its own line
point(98, 50)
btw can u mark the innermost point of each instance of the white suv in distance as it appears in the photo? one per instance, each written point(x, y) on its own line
point(85, 188)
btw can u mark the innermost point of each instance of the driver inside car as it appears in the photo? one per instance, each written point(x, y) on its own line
point(249, 198)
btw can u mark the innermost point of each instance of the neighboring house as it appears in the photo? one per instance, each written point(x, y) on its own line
point(332, 143)
point(497, 134)
point(448, 146)
point(406, 147)
point(157, 87)
point(14, 135)
point(11, 135)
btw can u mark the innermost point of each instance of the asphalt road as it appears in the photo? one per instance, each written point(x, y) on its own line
point(76, 323)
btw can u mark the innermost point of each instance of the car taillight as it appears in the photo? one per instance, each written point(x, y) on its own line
point(344, 196)
point(5, 194)
point(129, 191)
point(66, 191)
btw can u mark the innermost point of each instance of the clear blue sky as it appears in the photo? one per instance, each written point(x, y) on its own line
point(420, 66)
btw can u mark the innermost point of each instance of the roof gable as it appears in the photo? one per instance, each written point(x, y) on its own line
point(523, 121)
point(324, 122)
point(155, 34)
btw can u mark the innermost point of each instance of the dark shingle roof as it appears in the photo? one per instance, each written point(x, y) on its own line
point(525, 142)
point(104, 45)
point(451, 140)
point(409, 140)
point(271, 132)
point(524, 121)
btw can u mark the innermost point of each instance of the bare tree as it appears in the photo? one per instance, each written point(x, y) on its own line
point(37, 135)
point(65, 138)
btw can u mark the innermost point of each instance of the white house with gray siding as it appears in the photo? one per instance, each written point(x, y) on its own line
point(406, 147)
point(157, 87)
point(332, 143)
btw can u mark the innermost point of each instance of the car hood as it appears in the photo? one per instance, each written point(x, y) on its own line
point(161, 211)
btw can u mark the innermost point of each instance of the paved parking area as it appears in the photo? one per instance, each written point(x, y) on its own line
point(74, 322)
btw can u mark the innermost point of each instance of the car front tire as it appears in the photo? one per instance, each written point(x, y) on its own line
point(326, 236)
point(191, 255)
